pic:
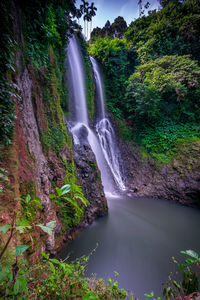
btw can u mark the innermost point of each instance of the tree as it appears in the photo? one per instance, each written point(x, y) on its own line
point(107, 28)
point(169, 85)
point(97, 32)
point(93, 10)
point(118, 27)
point(163, 3)
point(84, 8)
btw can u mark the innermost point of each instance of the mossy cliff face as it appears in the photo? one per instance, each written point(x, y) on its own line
point(40, 157)
point(179, 180)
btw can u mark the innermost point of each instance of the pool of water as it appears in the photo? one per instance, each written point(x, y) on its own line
point(138, 238)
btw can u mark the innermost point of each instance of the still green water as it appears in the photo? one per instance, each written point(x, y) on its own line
point(138, 238)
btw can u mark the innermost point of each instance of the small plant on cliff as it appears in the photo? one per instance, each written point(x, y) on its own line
point(13, 271)
point(3, 179)
point(72, 201)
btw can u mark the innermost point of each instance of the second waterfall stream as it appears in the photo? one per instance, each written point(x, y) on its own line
point(103, 141)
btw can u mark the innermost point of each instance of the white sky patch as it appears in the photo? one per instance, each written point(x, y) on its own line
point(129, 11)
point(105, 11)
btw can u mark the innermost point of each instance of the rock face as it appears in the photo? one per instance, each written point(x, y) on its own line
point(90, 178)
point(34, 169)
point(178, 181)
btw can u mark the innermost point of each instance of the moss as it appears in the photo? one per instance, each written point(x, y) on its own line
point(29, 154)
point(55, 136)
point(90, 88)
point(28, 188)
point(8, 91)
point(184, 157)
point(124, 130)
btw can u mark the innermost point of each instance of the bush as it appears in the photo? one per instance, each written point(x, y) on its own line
point(168, 86)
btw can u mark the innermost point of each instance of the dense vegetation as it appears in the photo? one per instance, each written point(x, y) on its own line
point(152, 77)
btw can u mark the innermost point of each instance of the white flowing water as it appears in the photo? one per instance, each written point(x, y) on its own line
point(80, 129)
point(76, 76)
point(99, 88)
point(105, 131)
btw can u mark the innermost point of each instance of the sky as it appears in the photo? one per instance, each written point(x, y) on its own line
point(111, 9)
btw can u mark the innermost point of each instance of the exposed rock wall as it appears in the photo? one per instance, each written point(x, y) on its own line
point(178, 181)
point(32, 168)
point(90, 178)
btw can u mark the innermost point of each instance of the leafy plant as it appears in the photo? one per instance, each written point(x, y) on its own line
point(3, 178)
point(151, 296)
point(166, 87)
point(72, 205)
point(115, 59)
point(190, 277)
point(13, 273)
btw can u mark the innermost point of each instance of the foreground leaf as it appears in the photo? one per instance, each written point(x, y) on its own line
point(5, 228)
point(48, 228)
point(20, 249)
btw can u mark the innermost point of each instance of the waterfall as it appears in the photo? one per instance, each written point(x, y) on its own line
point(76, 77)
point(105, 131)
point(101, 142)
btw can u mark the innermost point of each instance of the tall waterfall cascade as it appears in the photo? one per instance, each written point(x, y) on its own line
point(105, 131)
point(103, 141)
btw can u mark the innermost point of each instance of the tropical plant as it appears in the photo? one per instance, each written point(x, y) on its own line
point(189, 284)
point(113, 55)
point(71, 201)
point(13, 272)
point(93, 10)
point(167, 86)
point(151, 296)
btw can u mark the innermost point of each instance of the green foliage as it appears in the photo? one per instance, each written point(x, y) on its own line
point(163, 139)
point(160, 100)
point(29, 208)
point(150, 296)
point(5, 228)
point(24, 222)
point(44, 24)
point(142, 100)
point(72, 206)
point(61, 280)
point(53, 138)
point(168, 86)
point(20, 249)
point(88, 76)
point(48, 228)
point(8, 89)
point(14, 273)
point(194, 259)
point(172, 30)
point(67, 280)
point(54, 135)
point(114, 30)
point(162, 104)
point(3, 179)
point(125, 131)
point(113, 55)
point(189, 283)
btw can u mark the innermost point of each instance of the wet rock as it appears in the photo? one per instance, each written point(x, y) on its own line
point(90, 178)
point(58, 229)
point(50, 243)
